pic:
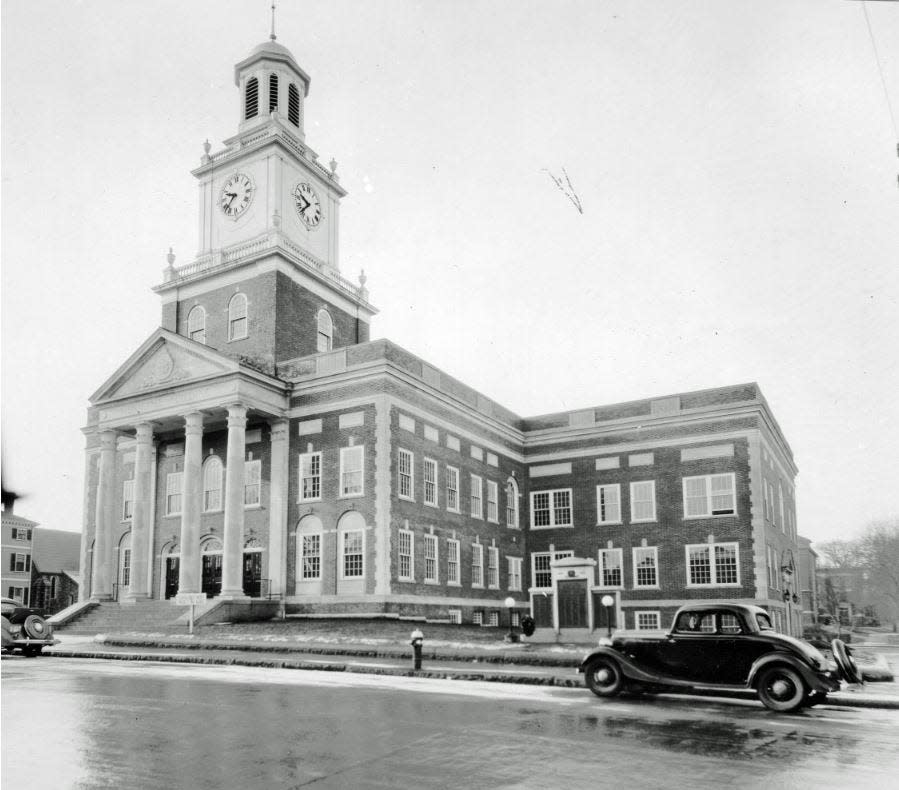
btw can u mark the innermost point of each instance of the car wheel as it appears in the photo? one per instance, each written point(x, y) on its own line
point(35, 626)
point(781, 689)
point(845, 661)
point(604, 678)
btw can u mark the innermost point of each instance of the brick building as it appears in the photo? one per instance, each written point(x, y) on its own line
point(259, 443)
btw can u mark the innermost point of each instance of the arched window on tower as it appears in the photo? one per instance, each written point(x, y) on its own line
point(293, 105)
point(272, 92)
point(252, 99)
point(196, 324)
point(325, 337)
point(237, 317)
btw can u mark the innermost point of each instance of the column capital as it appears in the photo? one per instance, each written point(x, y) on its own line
point(237, 415)
point(143, 431)
point(193, 422)
point(279, 429)
point(108, 439)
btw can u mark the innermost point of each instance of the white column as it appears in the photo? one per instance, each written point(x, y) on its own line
point(140, 519)
point(277, 525)
point(101, 587)
point(232, 551)
point(191, 492)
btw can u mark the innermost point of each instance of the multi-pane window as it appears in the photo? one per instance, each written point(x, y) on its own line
point(19, 563)
point(780, 506)
point(643, 501)
point(196, 324)
point(20, 533)
point(324, 339)
point(212, 484)
point(493, 568)
point(406, 471)
point(477, 618)
point(551, 508)
point(430, 479)
point(476, 502)
point(710, 495)
point(648, 621)
point(272, 92)
point(127, 500)
point(126, 568)
point(293, 105)
point(351, 467)
point(452, 562)
point(712, 564)
point(512, 504)
point(514, 569)
point(608, 504)
point(310, 476)
point(405, 546)
point(237, 317)
point(611, 563)
point(431, 559)
point(541, 572)
point(311, 556)
point(173, 493)
point(452, 489)
point(477, 565)
point(493, 618)
point(352, 543)
point(252, 482)
point(19, 593)
point(646, 567)
point(492, 502)
point(251, 105)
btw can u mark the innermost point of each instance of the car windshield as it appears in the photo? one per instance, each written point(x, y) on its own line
point(764, 622)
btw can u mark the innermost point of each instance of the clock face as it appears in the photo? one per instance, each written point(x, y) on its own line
point(308, 205)
point(237, 194)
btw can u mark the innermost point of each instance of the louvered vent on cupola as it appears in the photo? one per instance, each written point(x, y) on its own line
point(293, 105)
point(252, 99)
point(272, 92)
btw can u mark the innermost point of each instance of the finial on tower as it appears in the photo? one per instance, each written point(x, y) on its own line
point(273, 36)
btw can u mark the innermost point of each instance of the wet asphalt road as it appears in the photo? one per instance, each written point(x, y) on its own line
point(105, 724)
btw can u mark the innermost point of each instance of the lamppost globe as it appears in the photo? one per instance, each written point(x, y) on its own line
point(509, 602)
point(510, 605)
point(608, 601)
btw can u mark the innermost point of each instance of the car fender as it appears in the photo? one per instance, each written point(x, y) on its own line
point(815, 680)
point(629, 668)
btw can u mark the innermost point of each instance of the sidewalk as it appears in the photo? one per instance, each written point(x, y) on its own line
point(554, 665)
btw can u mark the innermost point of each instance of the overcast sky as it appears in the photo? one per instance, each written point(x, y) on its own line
point(736, 163)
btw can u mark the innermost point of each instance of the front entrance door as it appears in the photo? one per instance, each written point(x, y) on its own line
point(252, 573)
point(572, 603)
point(171, 576)
point(212, 574)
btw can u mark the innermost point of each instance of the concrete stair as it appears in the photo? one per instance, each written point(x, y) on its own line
point(113, 617)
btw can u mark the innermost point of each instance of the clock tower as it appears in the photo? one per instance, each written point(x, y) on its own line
point(268, 230)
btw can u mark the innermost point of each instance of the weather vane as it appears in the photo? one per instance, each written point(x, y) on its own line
point(273, 36)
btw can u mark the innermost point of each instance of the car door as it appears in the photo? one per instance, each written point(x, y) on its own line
point(689, 652)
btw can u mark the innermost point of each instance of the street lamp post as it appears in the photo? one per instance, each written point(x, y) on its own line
point(510, 605)
point(607, 601)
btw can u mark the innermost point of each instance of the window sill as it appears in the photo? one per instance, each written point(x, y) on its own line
point(431, 504)
point(710, 515)
point(352, 496)
point(432, 582)
point(454, 584)
point(172, 515)
point(610, 523)
point(452, 510)
point(647, 587)
point(405, 498)
point(213, 512)
point(554, 526)
point(493, 521)
point(708, 586)
point(477, 586)
point(308, 501)
point(644, 521)
point(253, 507)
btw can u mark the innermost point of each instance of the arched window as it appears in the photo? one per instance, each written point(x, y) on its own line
point(272, 92)
point(325, 337)
point(237, 317)
point(512, 503)
point(212, 484)
point(252, 99)
point(293, 105)
point(196, 324)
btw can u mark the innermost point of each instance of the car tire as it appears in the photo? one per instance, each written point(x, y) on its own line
point(843, 656)
point(781, 689)
point(604, 677)
point(36, 627)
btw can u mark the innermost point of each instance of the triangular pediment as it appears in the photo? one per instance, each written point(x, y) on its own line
point(164, 360)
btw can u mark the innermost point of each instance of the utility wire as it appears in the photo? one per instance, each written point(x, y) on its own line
point(883, 81)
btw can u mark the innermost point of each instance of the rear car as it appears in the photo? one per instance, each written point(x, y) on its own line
point(23, 629)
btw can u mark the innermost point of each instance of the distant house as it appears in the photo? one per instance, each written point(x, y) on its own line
point(54, 569)
point(17, 547)
point(808, 585)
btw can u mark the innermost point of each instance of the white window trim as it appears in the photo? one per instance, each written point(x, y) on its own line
point(232, 318)
point(451, 544)
point(599, 519)
point(359, 448)
point(655, 553)
point(180, 494)
point(301, 556)
point(513, 562)
point(431, 540)
point(493, 486)
point(410, 577)
point(480, 498)
point(654, 613)
point(601, 568)
point(255, 463)
point(125, 500)
point(552, 508)
point(512, 504)
point(221, 485)
point(712, 567)
point(553, 556)
point(493, 551)
point(457, 508)
point(430, 462)
point(404, 453)
point(312, 455)
point(708, 496)
point(634, 519)
point(477, 550)
point(343, 533)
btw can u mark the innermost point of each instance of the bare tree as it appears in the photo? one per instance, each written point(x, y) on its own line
point(841, 553)
point(879, 552)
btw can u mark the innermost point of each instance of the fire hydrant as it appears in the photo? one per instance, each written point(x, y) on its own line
point(417, 639)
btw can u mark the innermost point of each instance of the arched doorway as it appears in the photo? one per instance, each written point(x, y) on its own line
point(211, 553)
point(309, 556)
point(252, 568)
point(171, 562)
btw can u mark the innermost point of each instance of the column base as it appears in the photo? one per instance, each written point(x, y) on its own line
point(132, 598)
point(233, 595)
point(102, 597)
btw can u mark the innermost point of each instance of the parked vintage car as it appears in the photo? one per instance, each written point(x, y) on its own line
point(24, 629)
point(720, 647)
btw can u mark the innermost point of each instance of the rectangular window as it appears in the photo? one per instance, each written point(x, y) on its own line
point(493, 618)
point(126, 568)
point(646, 567)
point(252, 485)
point(710, 564)
point(311, 556)
point(477, 565)
point(643, 501)
point(541, 573)
point(514, 570)
point(648, 621)
point(352, 545)
point(710, 495)
point(430, 559)
point(512, 505)
point(476, 505)
point(430, 478)
point(18, 533)
point(452, 562)
point(454, 616)
point(128, 500)
point(493, 568)
point(406, 543)
point(608, 504)
point(452, 489)
point(310, 476)
point(20, 563)
point(492, 502)
point(611, 563)
point(351, 468)
point(477, 618)
point(173, 493)
point(780, 507)
point(406, 471)
point(20, 594)
point(551, 509)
